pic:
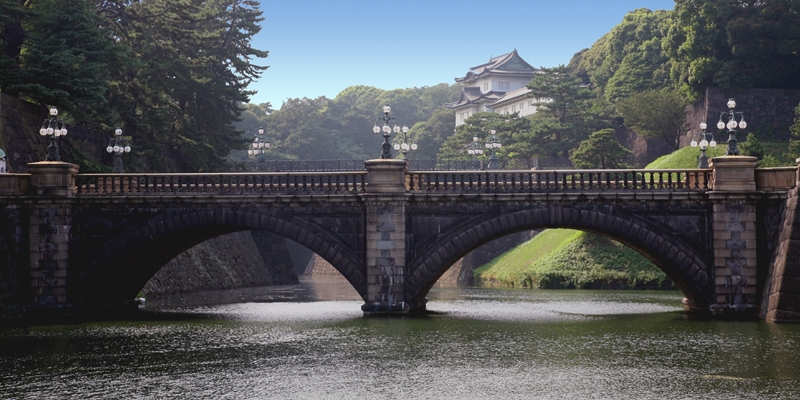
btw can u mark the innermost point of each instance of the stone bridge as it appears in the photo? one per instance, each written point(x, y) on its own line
point(89, 242)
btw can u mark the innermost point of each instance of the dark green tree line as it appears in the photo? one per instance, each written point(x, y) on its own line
point(172, 73)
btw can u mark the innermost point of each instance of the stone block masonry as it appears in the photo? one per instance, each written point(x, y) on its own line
point(230, 261)
point(20, 122)
point(770, 111)
point(385, 256)
point(13, 257)
point(734, 230)
point(782, 292)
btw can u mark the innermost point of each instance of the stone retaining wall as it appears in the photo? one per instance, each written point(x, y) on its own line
point(226, 262)
point(461, 272)
point(20, 122)
point(764, 110)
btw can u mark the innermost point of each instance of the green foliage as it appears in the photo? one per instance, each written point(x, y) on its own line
point(431, 134)
point(686, 157)
point(341, 128)
point(628, 59)
point(170, 73)
point(734, 44)
point(572, 259)
point(602, 151)
point(564, 117)
point(54, 53)
point(480, 125)
point(752, 146)
point(656, 114)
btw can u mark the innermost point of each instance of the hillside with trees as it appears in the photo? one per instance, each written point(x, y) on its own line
point(341, 128)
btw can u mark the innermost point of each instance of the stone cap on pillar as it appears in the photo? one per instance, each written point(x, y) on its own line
point(386, 176)
point(734, 173)
point(53, 178)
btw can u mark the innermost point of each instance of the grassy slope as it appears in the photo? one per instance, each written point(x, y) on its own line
point(563, 258)
point(559, 258)
point(684, 158)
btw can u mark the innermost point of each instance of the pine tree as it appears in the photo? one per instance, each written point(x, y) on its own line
point(602, 151)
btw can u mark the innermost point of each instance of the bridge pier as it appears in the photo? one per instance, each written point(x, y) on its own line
point(734, 199)
point(385, 201)
point(48, 233)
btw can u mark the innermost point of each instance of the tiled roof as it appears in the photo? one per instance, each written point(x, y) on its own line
point(512, 96)
point(506, 64)
point(471, 94)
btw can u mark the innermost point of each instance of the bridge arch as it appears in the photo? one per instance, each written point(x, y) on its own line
point(685, 266)
point(121, 267)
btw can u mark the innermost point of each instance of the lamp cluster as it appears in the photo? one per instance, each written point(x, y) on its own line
point(54, 128)
point(386, 151)
point(732, 124)
point(727, 120)
point(475, 150)
point(405, 147)
point(493, 144)
point(260, 147)
point(704, 144)
point(118, 145)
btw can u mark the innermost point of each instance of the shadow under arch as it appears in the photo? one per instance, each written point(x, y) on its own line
point(679, 261)
point(121, 267)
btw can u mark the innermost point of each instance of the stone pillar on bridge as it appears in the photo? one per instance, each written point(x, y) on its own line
point(386, 200)
point(734, 215)
point(50, 221)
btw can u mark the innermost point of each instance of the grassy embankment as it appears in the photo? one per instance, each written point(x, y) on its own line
point(566, 259)
point(563, 258)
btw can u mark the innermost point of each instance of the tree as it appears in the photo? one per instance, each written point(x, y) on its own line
point(430, 135)
point(628, 59)
point(186, 74)
point(564, 116)
point(55, 53)
point(602, 151)
point(734, 44)
point(170, 73)
point(480, 125)
point(752, 146)
point(656, 114)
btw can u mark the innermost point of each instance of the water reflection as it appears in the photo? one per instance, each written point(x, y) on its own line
point(312, 342)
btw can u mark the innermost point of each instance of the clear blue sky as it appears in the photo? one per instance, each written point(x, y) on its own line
point(318, 48)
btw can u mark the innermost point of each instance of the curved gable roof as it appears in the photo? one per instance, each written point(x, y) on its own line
point(506, 64)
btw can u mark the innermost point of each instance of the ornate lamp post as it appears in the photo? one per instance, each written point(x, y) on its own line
point(386, 152)
point(493, 144)
point(404, 147)
point(730, 115)
point(118, 145)
point(260, 147)
point(704, 143)
point(475, 150)
point(54, 128)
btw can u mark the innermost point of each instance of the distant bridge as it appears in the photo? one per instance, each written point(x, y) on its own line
point(91, 241)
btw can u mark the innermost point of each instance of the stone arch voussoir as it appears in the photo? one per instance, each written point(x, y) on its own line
point(686, 268)
point(112, 273)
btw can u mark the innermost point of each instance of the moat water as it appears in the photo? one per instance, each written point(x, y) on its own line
point(310, 341)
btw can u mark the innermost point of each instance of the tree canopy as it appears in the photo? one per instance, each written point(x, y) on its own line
point(341, 128)
point(628, 59)
point(564, 116)
point(170, 73)
point(600, 150)
point(734, 44)
point(656, 114)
